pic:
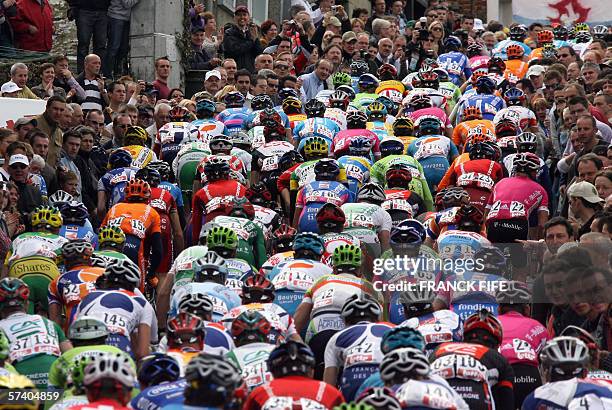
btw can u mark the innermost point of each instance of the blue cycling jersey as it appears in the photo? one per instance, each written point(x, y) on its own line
point(233, 118)
point(84, 231)
point(114, 182)
point(569, 394)
point(319, 127)
point(314, 195)
point(357, 172)
point(488, 104)
point(174, 191)
point(156, 397)
point(455, 63)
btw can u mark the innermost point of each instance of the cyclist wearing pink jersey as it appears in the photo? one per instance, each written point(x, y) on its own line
point(514, 199)
point(523, 338)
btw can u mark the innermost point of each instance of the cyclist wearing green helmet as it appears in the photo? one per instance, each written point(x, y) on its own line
point(74, 395)
point(347, 259)
point(341, 78)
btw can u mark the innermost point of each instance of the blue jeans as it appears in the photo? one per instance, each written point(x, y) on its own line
point(116, 52)
point(91, 23)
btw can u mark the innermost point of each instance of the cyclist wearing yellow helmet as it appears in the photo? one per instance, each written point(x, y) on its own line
point(135, 141)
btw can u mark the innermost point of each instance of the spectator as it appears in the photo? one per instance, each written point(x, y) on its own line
point(23, 126)
point(65, 79)
point(317, 80)
point(121, 122)
point(566, 55)
point(588, 166)
point(378, 11)
point(397, 10)
point(40, 145)
point(77, 115)
point(92, 22)
point(145, 116)
point(19, 75)
point(29, 196)
point(385, 52)
point(260, 86)
point(212, 82)
point(66, 119)
point(200, 59)
point(95, 120)
point(603, 183)
point(589, 73)
point(10, 90)
point(229, 64)
point(7, 137)
point(584, 202)
point(119, 12)
point(212, 42)
point(243, 83)
point(263, 61)
point(93, 84)
point(269, 31)
point(161, 117)
point(46, 88)
point(8, 9)
point(380, 29)
point(117, 95)
point(70, 151)
point(49, 122)
point(90, 174)
point(241, 41)
point(33, 25)
point(68, 181)
point(162, 72)
point(357, 25)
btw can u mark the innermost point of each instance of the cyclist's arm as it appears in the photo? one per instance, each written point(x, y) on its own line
point(260, 248)
point(163, 299)
point(196, 219)
point(55, 313)
point(64, 343)
point(177, 237)
point(542, 218)
point(156, 253)
point(101, 205)
point(65, 346)
point(302, 316)
point(503, 396)
point(140, 341)
point(330, 375)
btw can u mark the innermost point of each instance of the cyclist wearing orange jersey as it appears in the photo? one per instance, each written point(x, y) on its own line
point(516, 68)
point(141, 225)
point(544, 37)
point(67, 290)
point(472, 125)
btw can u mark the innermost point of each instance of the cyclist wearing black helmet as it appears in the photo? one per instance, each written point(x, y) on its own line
point(484, 98)
point(316, 124)
point(356, 123)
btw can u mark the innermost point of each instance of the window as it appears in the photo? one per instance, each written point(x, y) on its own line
point(257, 8)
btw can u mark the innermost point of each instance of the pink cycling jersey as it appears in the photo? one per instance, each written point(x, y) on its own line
point(342, 141)
point(516, 197)
point(523, 338)
point(429, 112)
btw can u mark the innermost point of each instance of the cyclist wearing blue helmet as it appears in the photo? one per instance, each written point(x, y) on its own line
point(160, 383)
point(235, 114)
point(112, 185)
point(488, 103)
point(454, 61)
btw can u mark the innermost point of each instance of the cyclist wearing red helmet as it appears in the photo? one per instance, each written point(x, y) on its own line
point(474, 368)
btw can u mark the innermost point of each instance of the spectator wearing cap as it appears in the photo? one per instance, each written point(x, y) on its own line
point(241, 40)
point(584, 202)
point(212, 82)
point(23, 126)
point(10, 90)
point(535, 73)
point(119, 12)
point(46, 88)
point(200, 59)
point(33, 25)
point(379, 7)
point(19, 75)
point(29, 196)
point(49, 123)
point(349, 46)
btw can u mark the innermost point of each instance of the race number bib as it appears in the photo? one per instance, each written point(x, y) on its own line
point(476, 179)
point(293, 280)
point(460, 366)
point(324, 298)
point(37, 343)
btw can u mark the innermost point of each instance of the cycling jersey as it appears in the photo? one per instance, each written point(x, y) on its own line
point(336, 115)
point(186, 163)
point(431, 112)
point(102, 404)
point(342, 141)
point(304, 173)
point(234, 119)
point(357, 171)
point(295, 119)
point(455, 244)
point(71, 287)
point(479, 374)
point(276, 259)
point(84, 231)
point(457, 66)
point(280, 321)
point(434, 153)
point(319, 127)
point(163, 202)
point(113, 184)
point(451, 92)
point(208, 127)
point(122, 311)
point(356, 350)
point(69, 402)
point(313, 196)
point(254, 118)
point(182, 268)
point(47, 245)
point(428, 394)
point(445, 220)
point(141, 156)
point(158, 396)
point(224, 299)
point(267, 219)
point(477, 293)
point(365, 222)
point(382, 129)
point(516, 198)
point(362, 100)
point(403, 200)
point(476, 173)
point(251, 242)
point(251, 359)
point(467, 129)
point(479, 62)
point(570, 394)
point(437, 327)
point(34, 344)
point(523, 338)
point(265, 160)
point(234, 162)
point(521, 116)
point(488, 104)
point(516, 70)
point(39, 182)
point(500, 48)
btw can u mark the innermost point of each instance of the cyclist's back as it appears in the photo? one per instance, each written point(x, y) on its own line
point(570, 394)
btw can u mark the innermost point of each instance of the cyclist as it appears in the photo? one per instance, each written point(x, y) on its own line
point(111, 240)
point(523, 338)
point(32, 256)
point(251, 331)
point(357, 163)
point(235, 114)
point(135, 141)
point(472, 125)
point(76, 394)
point(108, 380)
point(563, 364)
point(112, 185)
point(141, 225)
point(35, 341)
point(377, 120)
point(76, 224)
point(454, 61)
point(447, 88)
point(292, 106)
point(596, 372)
point(356, 123)
point(330, 221)
point(220, 147)
point(469, 366)
point(206, 123)
point(129, 317)
point(516, 111)
point(282, 245)
point(265, 161)
point(485, 99)
point(366, 93)
point(186, 334)
point(316, 124)
point(353, 354)
point(400, 202)
point(160, 385)
point(337, 105)
point(292, 364)
point(67, 290)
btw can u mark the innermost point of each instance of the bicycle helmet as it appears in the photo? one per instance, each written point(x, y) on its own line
point(241, 139)
point(476, 74)
point(496, 65)
point(506, 128)
point(13, 292)
point(87, 328)
point(418, 101)
point(401, 337)
point(211, 267)
point(400, 365)
point(514, 292)
point(408, 232)
point(221, 145)
point(549, 51)
point(403, 127)
point(111, 236)
point(482, 150)
point(358, 68)
point(60, 197)
point(347, 256)
point(163, 168)
point(158, 368)
point(429, 125)
point(135, 135)
point(137, 190)
point(326, 169)
point(77, 252)
point(216, 169)
point(474, 49)
point(376, 110)
point(348, 90)
point(600, 31)
point(526, 142)
point(309, 241)
point(292, 105)
point(262, 101)
point(120, 271)
point(149, 175)
point(387, 72)
point(514, 96)
point(283, 238)
point(288, 92)
point(485, 85)
point(339, 99)
point(257, 289)
point(418, 300)
point(545, 36)
point(526, 162)
point(206, 106)
point(48, 217)
point(371, 192)
point(483, 326)
point(429, 64)
point(428, 79)
point(391, 146)
point(563, 358)
point(113, 366)
point(259, 194)
point(211, 373)
point(455, 196)
point(73, 213)
point(291, 358)
point(400, 173)
point(452, 43)
point(330, 215)
point(361, 306)
point(471, 112)
point(314, 108)
point(360, 146)
point(234, 99)
point(518, 33)
point(250, 327)
point(242, 208)
point(367, 82)
point(185, 328)
point(197, 304)
point(561, 32)
point(356, 120)
point(341, 78)
point(515, 51)
point(380, 398)
point(583, 335)
point(470, 218)
point(582, 37)
point(11, 383)
point(180, 114)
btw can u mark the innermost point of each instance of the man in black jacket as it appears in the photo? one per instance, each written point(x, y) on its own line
point(241, 41)
point(91, 21)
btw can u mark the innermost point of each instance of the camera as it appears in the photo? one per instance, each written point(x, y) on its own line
point(148, 87)
point(334, 8)
point(423, 34)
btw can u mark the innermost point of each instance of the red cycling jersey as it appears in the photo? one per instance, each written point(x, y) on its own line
point(486, 167)
point(163, 202)
point(296, 387)
point(516, 198)
point(102, 404)
point(342, 141)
